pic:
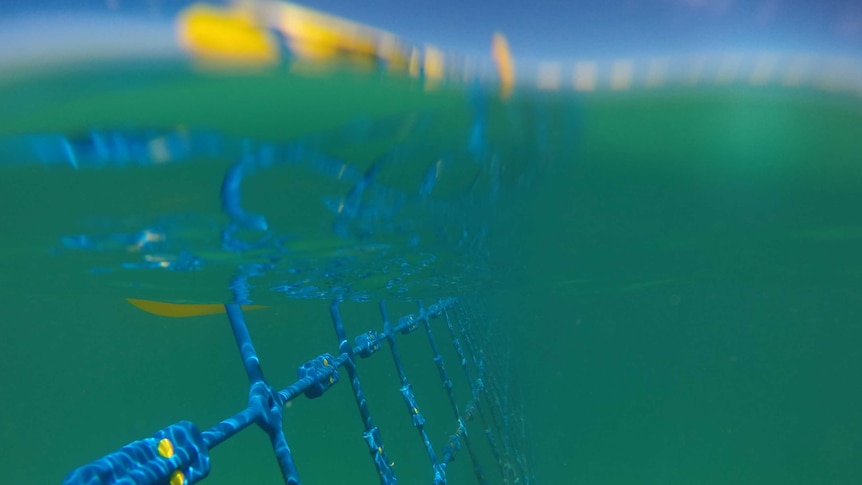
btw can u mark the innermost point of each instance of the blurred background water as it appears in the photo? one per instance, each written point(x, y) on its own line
point(661, 222)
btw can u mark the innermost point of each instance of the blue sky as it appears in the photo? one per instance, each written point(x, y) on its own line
point(561, 29)
point(565, 30)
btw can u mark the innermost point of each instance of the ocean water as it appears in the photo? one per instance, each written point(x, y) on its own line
point(690, 300)
point(671, 279)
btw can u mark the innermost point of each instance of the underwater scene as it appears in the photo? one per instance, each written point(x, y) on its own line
point(611, 269)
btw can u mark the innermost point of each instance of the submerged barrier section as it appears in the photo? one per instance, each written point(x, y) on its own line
point(179, 454)
point(383, 230)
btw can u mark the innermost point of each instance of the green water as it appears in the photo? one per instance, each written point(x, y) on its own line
point(679, 281)
point(691, 293)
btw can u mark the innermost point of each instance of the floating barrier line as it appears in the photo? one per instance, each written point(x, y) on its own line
point(179, 454)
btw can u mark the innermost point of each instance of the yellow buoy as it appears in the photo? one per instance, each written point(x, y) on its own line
point(225, 35)
point(504, 63)
point(433, 67)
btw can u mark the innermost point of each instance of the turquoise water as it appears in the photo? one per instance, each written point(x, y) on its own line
point(691, 292)
point(674, 274)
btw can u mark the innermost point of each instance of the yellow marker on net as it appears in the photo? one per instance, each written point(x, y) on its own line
point(166, 448)
point(177, 478)
point(504, 63)
point(183, 310)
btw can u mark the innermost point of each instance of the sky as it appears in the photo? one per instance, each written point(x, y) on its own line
point(563, 30)
point(567, 29)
